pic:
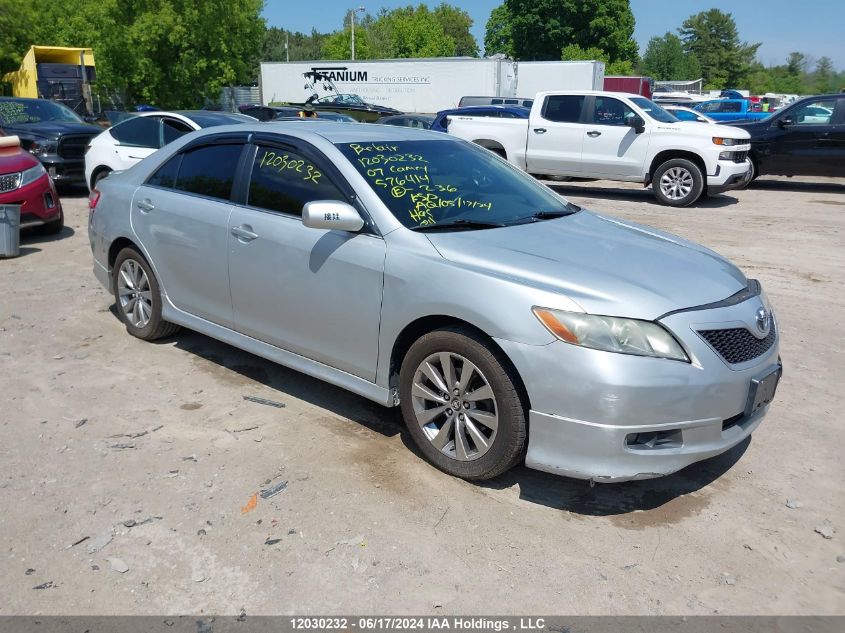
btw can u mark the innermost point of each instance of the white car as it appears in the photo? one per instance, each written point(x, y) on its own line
point(688, 114)
point(138, 136)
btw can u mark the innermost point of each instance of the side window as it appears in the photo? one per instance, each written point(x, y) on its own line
point(609, 111)
point(209, 171)
point(563, 108)
point(165, 176)
point(731, 106)
point(815, 113)
point(713, 106)
point(139, 131)
point(504, 114)
point(173, 129)
point(284, 181)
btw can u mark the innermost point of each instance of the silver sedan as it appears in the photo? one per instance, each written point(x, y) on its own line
point(424, 272)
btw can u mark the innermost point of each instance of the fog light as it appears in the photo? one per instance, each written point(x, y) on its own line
point(654, 440)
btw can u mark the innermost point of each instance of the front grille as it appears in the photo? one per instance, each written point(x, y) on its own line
point(10, 182)
point(739, 157)
point(73, 147)
point(739, 345)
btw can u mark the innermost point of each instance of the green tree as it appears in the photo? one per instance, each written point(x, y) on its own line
point(713, 38)
point(498, 38)
point(665, 59)
point(18, 22)
point(542, 28)
point(573, 52)
point(824, 77)
point(456, 24)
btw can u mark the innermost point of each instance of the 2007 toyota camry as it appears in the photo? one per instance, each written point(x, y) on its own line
point(421, 271)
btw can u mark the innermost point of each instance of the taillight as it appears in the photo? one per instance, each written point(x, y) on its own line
point(93, 199)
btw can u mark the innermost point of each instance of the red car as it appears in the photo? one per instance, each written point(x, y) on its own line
point(24, 181)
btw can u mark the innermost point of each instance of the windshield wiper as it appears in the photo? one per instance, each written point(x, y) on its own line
point(457, 225)
point(549, 215)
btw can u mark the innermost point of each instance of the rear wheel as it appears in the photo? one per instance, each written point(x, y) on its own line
point(138, 297)
point(462, 405)
point(678, 182)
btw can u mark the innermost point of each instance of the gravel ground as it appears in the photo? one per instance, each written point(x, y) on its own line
point(130, 470)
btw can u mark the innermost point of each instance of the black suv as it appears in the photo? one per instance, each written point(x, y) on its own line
point(806, 138)
point(54, 134)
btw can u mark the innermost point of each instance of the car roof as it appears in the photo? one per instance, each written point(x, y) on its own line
point(333, 132)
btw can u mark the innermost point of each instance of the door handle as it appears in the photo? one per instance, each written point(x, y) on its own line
point(539, 130)
point(145, 205)
point(593, 133)
point(244, 233)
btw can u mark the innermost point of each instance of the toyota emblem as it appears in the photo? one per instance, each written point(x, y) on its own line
point(763, 318)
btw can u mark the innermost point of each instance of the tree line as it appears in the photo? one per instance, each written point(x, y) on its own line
point(180, 53)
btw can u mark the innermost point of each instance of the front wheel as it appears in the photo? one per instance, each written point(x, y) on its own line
point(462, 404)
point(678, 182)
point(138, 297)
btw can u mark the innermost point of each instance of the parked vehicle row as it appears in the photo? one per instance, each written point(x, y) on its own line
point(559, 312)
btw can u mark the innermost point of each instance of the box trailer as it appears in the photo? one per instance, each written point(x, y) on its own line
point(534, 77)
point(410, 85)
point(57, 73)
point(635, 85)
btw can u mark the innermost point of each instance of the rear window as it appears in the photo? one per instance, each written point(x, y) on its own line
point(209, 171)
point(141, 131)
point(563, 108)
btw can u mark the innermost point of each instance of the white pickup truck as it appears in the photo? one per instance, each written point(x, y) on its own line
point(616, 136)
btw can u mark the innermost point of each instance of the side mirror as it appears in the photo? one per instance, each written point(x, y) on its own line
point(332, 215)
point(785, 122)
point(636, 122)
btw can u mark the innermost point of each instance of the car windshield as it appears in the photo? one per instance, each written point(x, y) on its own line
point(35, 111)
point(654, 111)
point(426, 183)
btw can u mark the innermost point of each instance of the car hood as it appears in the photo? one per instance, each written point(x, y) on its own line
point(607, 266)
point(702, 129)
point(53, 129)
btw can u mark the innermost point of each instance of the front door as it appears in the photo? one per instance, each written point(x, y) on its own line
point(313, 292)
point(800, 147)
point(181, 215)
point(610, 147)
point(555, 137)
point(136, 138)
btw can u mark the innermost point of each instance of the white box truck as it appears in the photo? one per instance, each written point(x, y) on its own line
point(410, 85)
point(534, 77)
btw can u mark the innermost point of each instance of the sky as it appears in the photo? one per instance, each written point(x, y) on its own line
point(816, 28)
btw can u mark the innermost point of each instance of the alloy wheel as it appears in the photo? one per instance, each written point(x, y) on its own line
point(133, 290)
point(455, 406)
point(676, 183)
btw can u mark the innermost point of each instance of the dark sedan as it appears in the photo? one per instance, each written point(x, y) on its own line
point(806, 138)
point(419, 121)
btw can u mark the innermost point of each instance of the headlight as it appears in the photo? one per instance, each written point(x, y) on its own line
point(611, 334)
point(32, 174)
point(42, 148)
point(718, 140)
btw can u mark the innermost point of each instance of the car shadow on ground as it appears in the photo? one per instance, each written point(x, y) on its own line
point(33, 235)
point(72, 191)
point(636, 195)
point(540, 488)
point(798, 186)
point(574, 495)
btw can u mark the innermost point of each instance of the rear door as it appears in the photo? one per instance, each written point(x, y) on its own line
point(313, 292)
point(181, 215)
point(834, 140)
point(610, 147)
point(136, 138)
point(555, 136)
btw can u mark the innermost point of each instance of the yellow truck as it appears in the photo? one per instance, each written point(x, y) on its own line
point(58, 73)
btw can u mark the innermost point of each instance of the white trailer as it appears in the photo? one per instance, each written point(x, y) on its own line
point(410, 85)
point(534, 77)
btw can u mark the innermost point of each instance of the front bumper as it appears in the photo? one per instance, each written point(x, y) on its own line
point(39, 202)
point(64, 170)
point(592, 412)
point(729, 175)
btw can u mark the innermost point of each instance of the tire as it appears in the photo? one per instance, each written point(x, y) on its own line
point(99, 176)
point(433, 424)
point(143, 316)
point(755, 171)
point(56, 226)
point(678, 182)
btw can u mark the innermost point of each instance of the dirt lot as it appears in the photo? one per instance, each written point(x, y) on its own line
point(99, 430)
